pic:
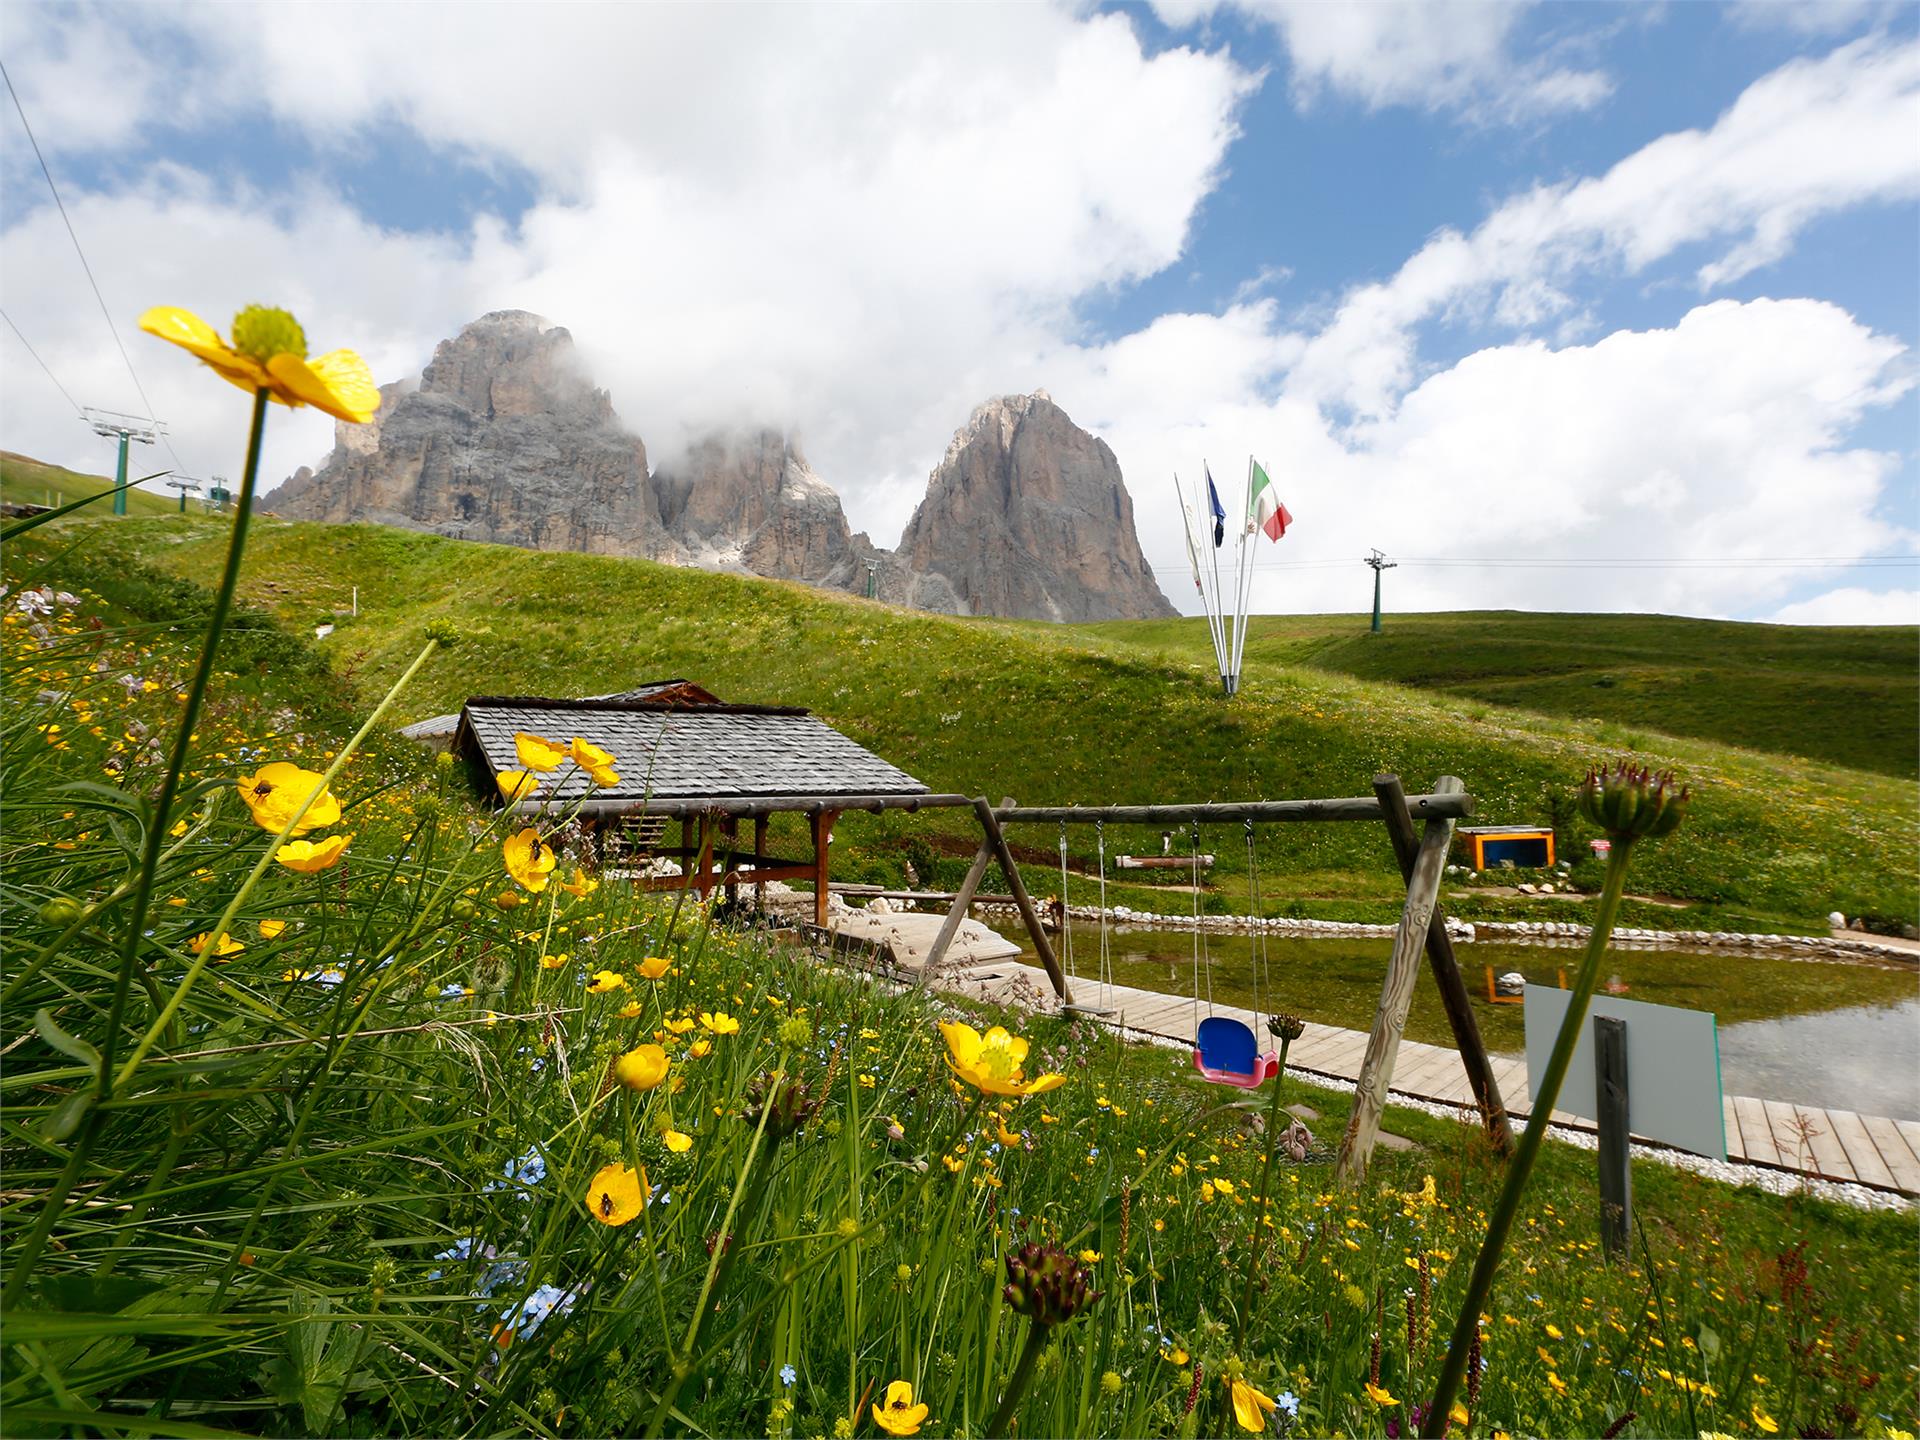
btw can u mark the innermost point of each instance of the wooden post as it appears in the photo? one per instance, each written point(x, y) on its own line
point(759, 849)
point(1446, 972)
point(990, 823)
point(704, 864)
point(822, 839)
point(1616, 1169)
point(962, 898)
point(730, 832)
point(1383, 1045)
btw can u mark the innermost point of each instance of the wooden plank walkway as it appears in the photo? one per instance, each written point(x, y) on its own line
point(1870, 1150)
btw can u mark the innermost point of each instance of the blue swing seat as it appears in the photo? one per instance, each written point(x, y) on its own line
point(1226, 1052)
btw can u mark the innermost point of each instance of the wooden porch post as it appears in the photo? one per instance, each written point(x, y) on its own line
point(759, 849)
point(822, 840)
point(1446, 971)
point(705, 862)
point(1383, 1045)
point(730, 832)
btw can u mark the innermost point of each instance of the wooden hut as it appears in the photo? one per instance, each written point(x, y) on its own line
point(681, 754)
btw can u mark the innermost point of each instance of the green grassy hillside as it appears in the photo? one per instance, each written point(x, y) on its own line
point(1052, 714)
point(1842, 694)
point(30, 482)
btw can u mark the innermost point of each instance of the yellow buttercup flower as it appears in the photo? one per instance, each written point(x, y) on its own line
point(719, 1022)
point(1459, 1416)
point(529, 859)
point(654, 966)
point(896, 1413)
point(269, 352)
point(615, 1196)
point(993, 1062)
point(700, 1049)
point(589, 756)
point(579, 885)
point(631, 1009)
point(680, 1025)
point(1250, 1407)
point(227, 946)
point(605, 776)
point(537, 754)
point(547, 962)
point(508, 899)
point(272, 929)
point(1380, 1395)
point(280, 789)
point(605, 980)
point(310, 857)
point(677, 1142)
point(642, 1067)
point(1764, 1423)
point(516, 785)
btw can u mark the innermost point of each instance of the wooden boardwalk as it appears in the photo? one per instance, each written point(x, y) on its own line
point(1869, 1150)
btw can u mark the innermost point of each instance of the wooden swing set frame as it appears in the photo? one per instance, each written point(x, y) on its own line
point(1422, 860)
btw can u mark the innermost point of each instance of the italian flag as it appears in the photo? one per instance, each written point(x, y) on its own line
point(1264, 507)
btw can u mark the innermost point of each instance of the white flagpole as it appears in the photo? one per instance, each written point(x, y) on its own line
point(1203, 511)
point(1207, 603)
point(1247, 540)
point(1226, 682)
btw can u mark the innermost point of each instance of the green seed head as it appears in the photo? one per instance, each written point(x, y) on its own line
point(61, 911)
point(261, 332)
point(795, 1032)
point(1630, 802)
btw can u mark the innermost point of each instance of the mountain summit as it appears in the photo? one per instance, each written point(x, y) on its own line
point(504, 438)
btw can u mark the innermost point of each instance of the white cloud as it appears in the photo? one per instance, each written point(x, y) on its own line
point(1811, 138)
point(1853, 605)
point(1455, 55)
point(1723, 439)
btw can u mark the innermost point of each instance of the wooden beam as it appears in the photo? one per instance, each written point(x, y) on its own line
point(822, 840)
point(990, 823)
point(1383, 1045)
point(962, 898)
point(1447, 805)
point(1446, 972)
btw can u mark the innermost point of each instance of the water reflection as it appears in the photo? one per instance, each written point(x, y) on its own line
point(1866, 1058)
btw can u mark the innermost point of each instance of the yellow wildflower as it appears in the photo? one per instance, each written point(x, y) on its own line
point(605, 980)
point(550, 962)
point(1763, 1422)
point(516, 785)
point(537, 754)
point(1250, 1407)
point(896, 1413)
point(993, 1062)
point(700, 1049)
point(278, 791)
point(614, 1197)
point(642, 1067)
point(580, 885)
point(269, 352)
point(1380, 1395)
point(529, 859)
point(310, 857)
point(653, 967)
point(272, 929)
point(719, 1022)
point(677, 1142)
point(227, 946)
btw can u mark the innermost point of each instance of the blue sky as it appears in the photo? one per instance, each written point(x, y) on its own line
point(1523, 281)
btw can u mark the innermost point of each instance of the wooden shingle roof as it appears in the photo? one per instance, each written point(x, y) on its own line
point(727, 753)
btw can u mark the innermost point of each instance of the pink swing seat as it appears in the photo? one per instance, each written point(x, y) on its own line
point(1226, 1053)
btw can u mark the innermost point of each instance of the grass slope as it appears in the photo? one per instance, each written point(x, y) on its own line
point(1840, 694)
point(31, 482)
point(1050, 714)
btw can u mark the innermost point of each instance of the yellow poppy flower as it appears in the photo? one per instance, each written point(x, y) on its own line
point(677, 1142)
point(280, 789)
point(310, 857)
point(537, 754)
point(719, 1022)
point(529, 859)
point(896, 1413)
point(642, 1067)
point(589, 756)
point(654, 966)
point(269, 352)
point(516, 785)
point(605, 980)
point(272, 929)
point(227, 946)
point(614, 1197)
point(992, 1062)
point(1380, 1395)
point(1250, 1407)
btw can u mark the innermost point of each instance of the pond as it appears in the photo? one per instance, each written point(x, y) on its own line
point(1842, 1036)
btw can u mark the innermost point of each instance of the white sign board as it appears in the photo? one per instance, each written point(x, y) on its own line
point(1673, 1067)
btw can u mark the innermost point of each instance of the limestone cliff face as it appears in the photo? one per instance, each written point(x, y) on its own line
point(751, 502)
point(501, 439)
point(1028, 516)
